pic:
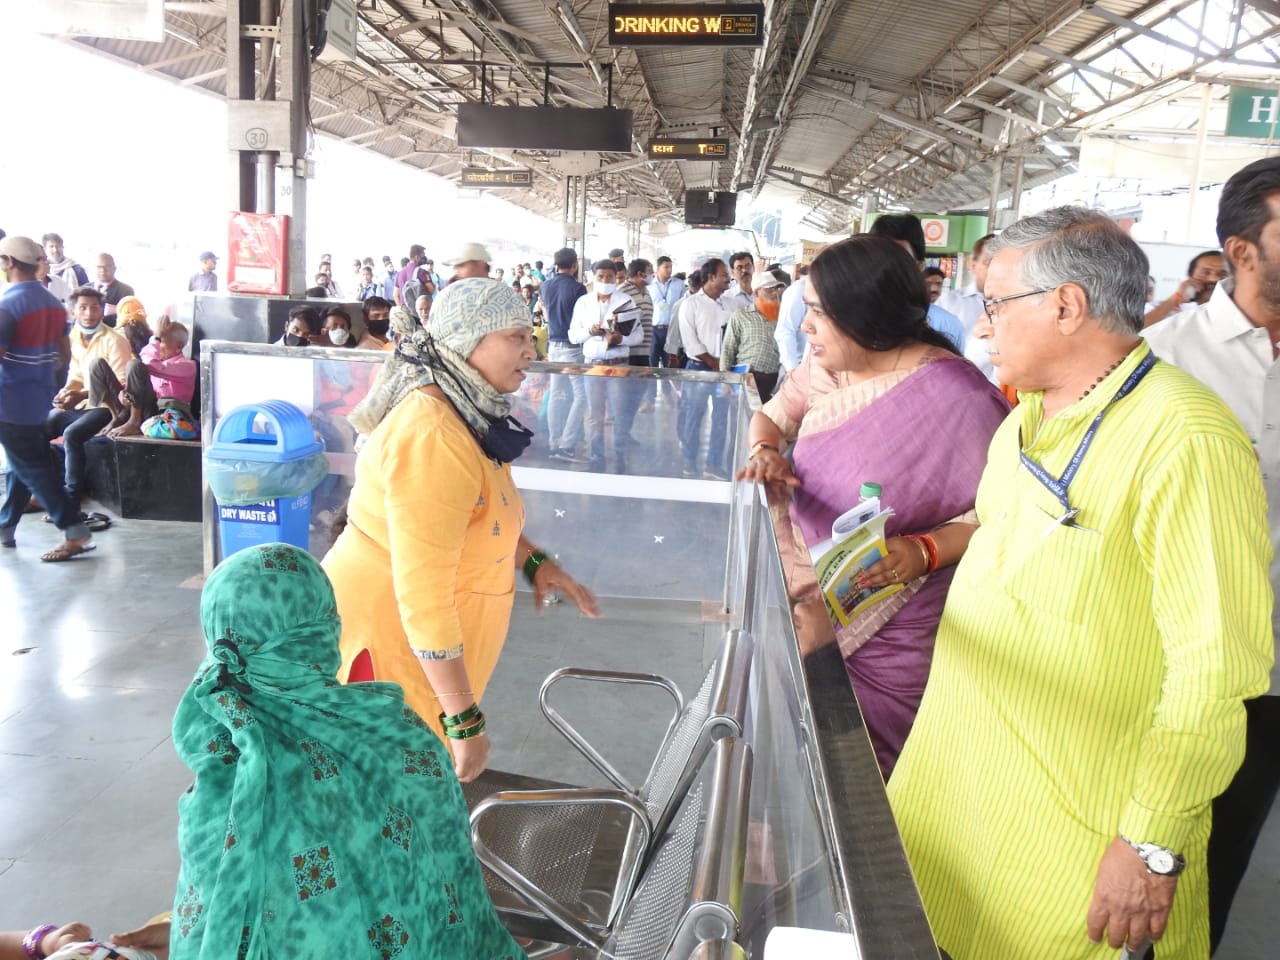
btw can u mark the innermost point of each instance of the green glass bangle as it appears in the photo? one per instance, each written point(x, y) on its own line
point(458, 719)
point(466, 733)
point(535, 559)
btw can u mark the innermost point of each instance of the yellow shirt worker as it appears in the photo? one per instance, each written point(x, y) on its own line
point(1112, 612)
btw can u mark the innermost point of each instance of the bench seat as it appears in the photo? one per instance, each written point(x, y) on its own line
point(138, 478)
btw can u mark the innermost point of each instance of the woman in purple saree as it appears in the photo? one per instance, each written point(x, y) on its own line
point(879, 397)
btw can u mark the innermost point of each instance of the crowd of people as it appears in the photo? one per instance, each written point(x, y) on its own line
point(1073, 697)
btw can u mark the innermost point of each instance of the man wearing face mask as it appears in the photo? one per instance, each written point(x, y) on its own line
point(303, 328)
point(748, 339)
point(377, 323)
point(337, 327)
point(74, 417)
point(606, 340)
point(639, 274)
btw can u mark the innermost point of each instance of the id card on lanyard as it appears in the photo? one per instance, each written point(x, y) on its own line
point(1060, 486)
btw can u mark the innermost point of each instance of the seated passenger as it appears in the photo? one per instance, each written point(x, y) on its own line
point(377, 321)
point(303, 328)
point(162, 378)
point(77, 940)
point(325, 820)
point(337, 328)
point(75, 416)
point(40, 941)
point(880, 397)
point(131, 320)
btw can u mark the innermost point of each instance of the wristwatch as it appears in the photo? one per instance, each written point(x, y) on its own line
point(1159, 860)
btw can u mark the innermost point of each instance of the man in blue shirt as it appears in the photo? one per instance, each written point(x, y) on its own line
point(665, 291)
point(567, 406)
point(788, 335)
point(33, 333)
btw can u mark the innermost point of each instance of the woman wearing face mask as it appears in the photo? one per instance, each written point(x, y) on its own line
point(337, 328)
point(748, 337)
point(880, 397)
point(303, 328)
point(425, 570)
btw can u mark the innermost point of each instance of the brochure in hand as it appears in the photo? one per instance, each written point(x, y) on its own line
point(857, 542)
point(624, 319)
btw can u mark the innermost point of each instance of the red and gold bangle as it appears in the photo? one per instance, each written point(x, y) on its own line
point(761, 445)
point(931, 546)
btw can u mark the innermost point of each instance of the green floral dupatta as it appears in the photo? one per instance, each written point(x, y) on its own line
point(325, 820)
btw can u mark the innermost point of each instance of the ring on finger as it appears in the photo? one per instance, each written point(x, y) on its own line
point(895, 573)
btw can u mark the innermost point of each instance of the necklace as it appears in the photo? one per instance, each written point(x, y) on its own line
point(1110, 370)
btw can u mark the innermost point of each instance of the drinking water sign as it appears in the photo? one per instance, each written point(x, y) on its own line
point(686, 24)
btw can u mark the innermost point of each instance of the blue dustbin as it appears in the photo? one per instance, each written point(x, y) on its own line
point(252, 462)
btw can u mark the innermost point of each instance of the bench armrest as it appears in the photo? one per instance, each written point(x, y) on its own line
point(553, 910)
point(570, 733)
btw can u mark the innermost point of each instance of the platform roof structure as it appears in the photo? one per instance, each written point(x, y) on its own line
point(847, 105)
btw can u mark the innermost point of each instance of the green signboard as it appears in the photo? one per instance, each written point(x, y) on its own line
point(1253, 112)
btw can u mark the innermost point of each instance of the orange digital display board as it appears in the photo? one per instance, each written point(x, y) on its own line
point(686, 24)
point(688, 148)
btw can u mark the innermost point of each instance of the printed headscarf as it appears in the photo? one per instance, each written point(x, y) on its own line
point(461, 316)
point(325, 820)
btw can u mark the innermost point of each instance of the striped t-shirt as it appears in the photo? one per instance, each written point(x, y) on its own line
point(32, 323)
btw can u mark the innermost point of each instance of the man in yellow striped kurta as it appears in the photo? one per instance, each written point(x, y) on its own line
point(1084, 705)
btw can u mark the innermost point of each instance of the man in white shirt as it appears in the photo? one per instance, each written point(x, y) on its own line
point(1203, 274)
point(702, 320)
point(1231, 343)
point(607, 325)
point(966, 304)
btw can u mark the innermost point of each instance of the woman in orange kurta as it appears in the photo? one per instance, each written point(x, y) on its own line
point(424, 572)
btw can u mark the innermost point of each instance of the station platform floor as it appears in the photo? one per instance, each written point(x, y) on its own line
point(98, 652)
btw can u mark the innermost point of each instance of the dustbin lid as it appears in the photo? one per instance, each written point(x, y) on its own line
point(290, 436)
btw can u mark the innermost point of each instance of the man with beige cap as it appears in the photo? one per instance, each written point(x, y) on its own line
point(469, 260)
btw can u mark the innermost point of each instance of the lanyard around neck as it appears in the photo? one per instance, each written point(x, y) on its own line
point(1060, 485)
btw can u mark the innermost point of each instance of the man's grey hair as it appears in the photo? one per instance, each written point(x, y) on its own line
point(179, 334)
point(1085, 247)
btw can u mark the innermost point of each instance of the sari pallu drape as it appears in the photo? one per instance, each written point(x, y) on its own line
point(923, 435)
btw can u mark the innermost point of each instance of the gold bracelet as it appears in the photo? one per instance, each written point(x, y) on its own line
point(459, 693)
point(924, 551)
point(760, 445)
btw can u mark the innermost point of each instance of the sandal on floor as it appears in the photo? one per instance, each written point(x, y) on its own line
point(96, 522)
point(68, 550)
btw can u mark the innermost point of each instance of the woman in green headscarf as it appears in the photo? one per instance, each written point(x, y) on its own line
point(425, 569)
point(325, 820)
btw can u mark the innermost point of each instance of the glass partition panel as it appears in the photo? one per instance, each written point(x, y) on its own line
point(623, 509)
point(825, 850)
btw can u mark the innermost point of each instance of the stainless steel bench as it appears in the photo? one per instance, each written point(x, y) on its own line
point(688, 904)
point(563, 862)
